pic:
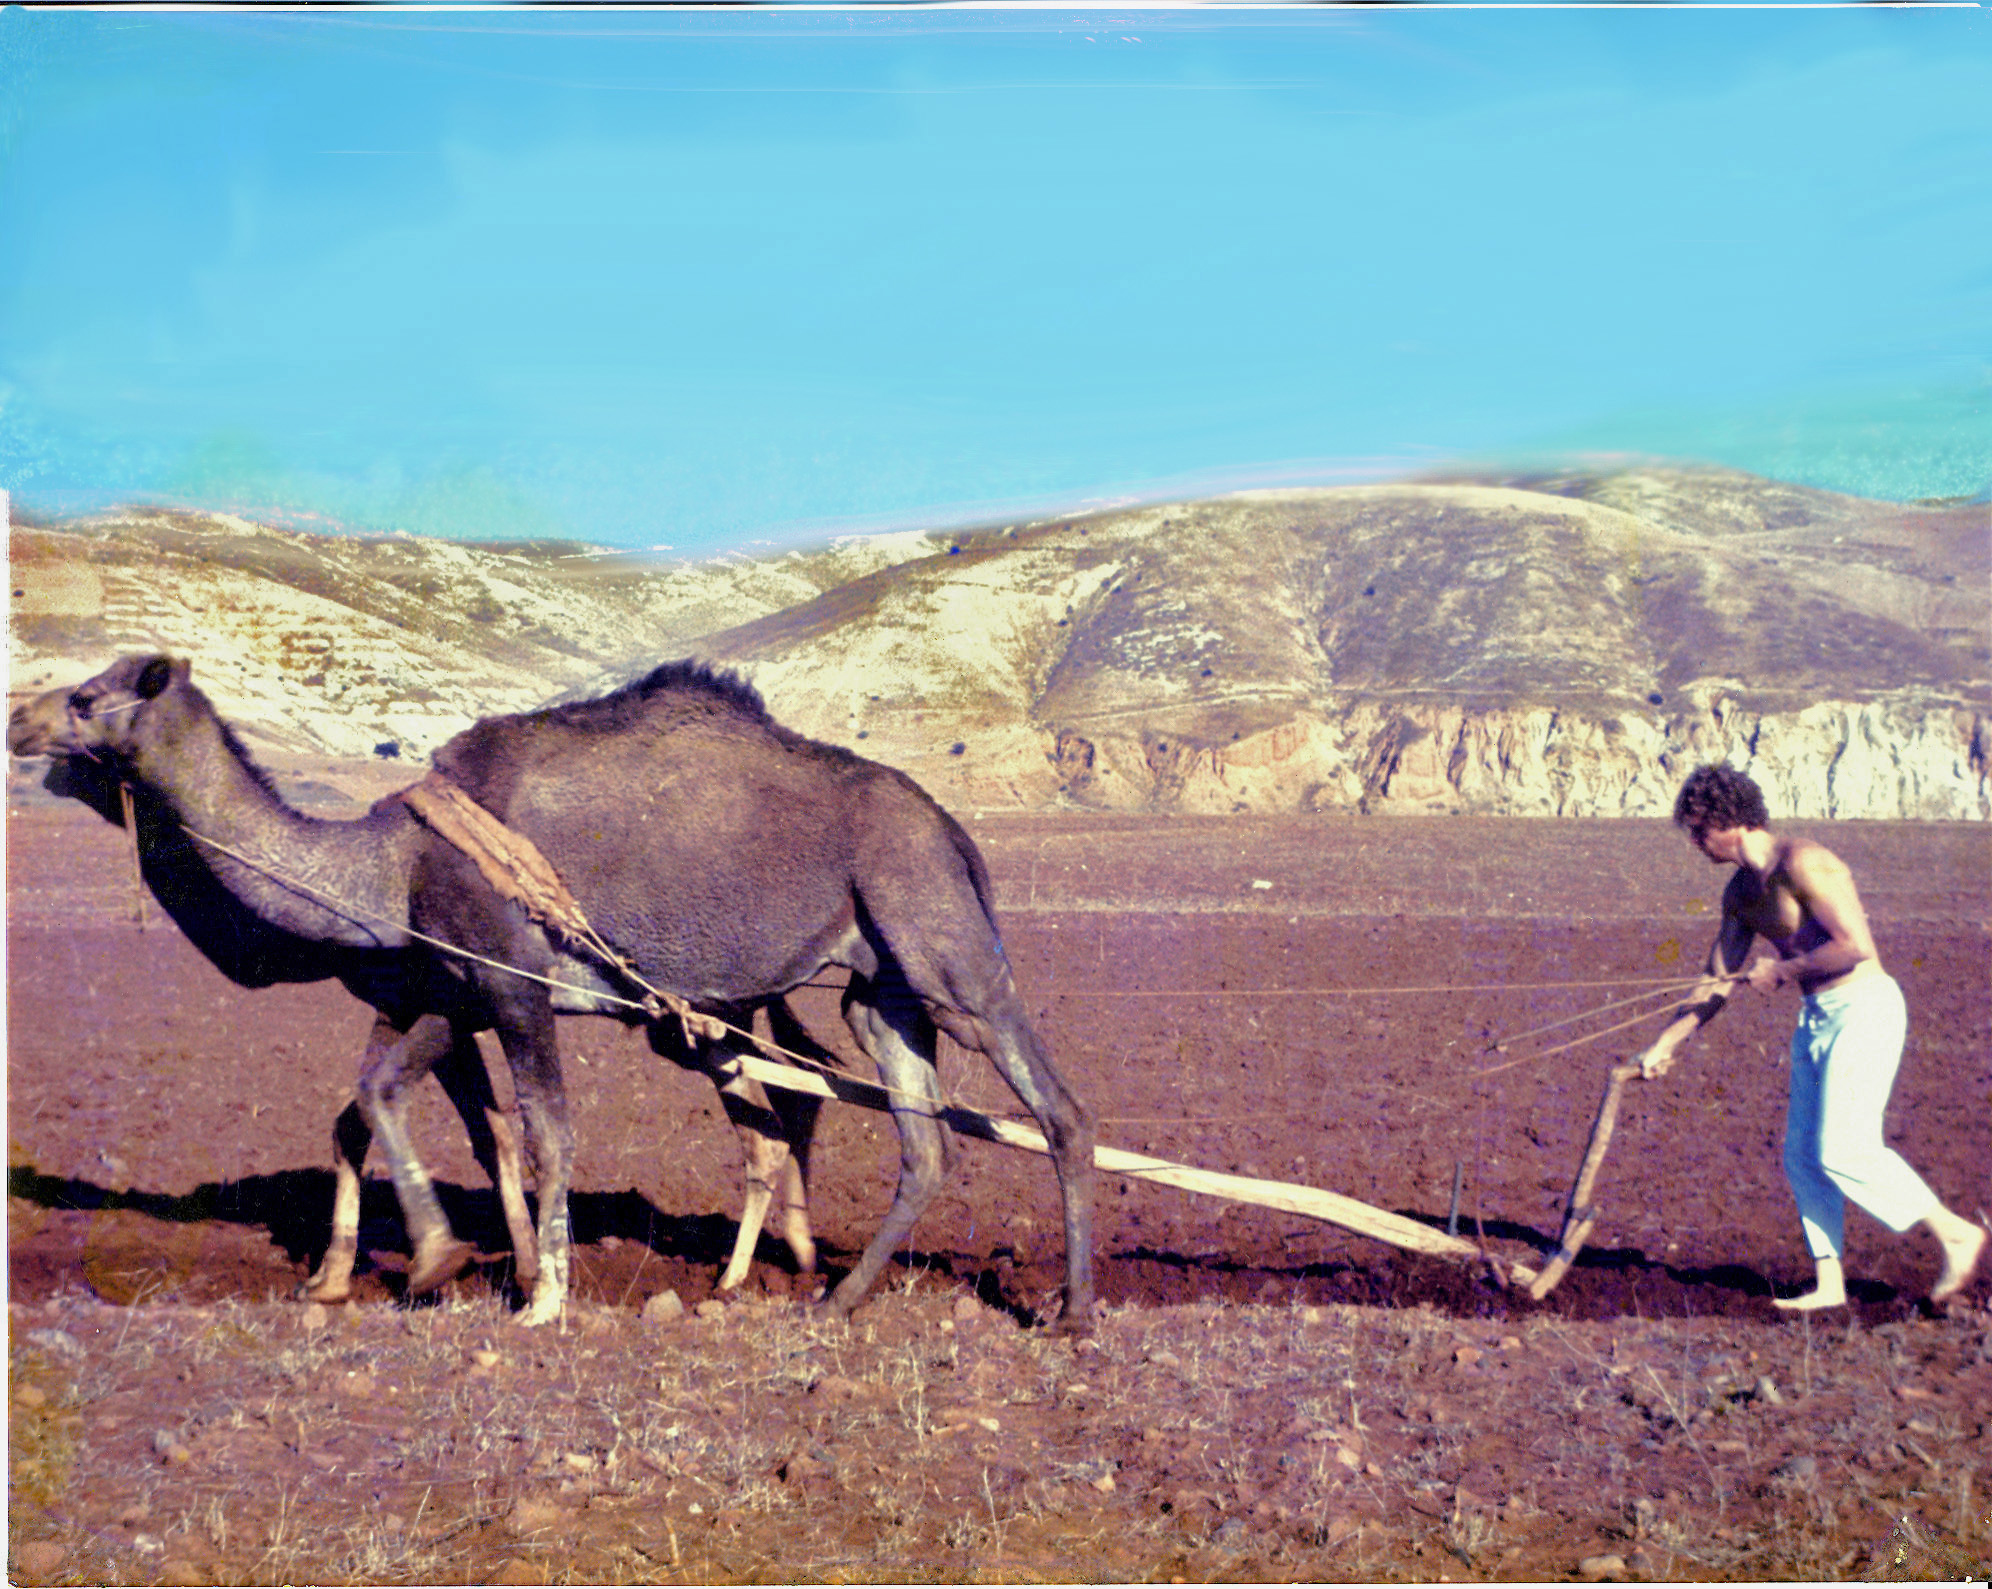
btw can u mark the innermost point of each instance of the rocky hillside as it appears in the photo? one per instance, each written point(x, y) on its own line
point(343, 646)
point(1562, 645)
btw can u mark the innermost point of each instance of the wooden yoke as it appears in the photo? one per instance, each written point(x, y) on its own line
point(1582, 1214)
point(513, 865)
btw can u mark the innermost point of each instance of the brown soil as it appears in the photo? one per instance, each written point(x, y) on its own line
point(1266, 1397)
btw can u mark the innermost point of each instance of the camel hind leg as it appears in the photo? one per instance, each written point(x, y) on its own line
point(493, 1142)
point(954, 961)
point(799, 1112)
point(395, 1057)
point(891, 1026)
point(1005, 1036)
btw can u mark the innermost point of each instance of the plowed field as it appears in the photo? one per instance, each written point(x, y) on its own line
point(1309, 1000)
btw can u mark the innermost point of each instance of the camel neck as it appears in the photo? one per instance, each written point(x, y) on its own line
point(327, 881)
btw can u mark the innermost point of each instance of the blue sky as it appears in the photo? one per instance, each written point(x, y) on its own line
point(710, 280)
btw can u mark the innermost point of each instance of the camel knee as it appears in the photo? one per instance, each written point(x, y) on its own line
point(376, 1096)
point(926, 1154)
point(1072, 1141)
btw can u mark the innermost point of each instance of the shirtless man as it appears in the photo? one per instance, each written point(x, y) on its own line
point(1799, 897)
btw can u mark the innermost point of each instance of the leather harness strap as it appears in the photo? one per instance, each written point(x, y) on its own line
point(510, 862)
point(514, 866)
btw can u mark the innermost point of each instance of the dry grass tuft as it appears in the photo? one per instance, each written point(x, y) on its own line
point(931, 1438)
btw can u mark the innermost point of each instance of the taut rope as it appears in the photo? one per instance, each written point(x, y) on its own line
point(519, 872)
point(1661, 984)
point(1666, 991)
point(696, 1022)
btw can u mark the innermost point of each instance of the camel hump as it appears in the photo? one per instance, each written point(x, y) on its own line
point(486, 758)
point(672, 690)
point(689, 680)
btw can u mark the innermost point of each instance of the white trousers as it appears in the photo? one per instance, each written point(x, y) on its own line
point(1844, 1056)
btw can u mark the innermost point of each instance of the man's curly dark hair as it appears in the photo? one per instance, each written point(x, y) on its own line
point(1720, 797)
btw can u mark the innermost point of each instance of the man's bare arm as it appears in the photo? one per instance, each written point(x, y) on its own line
point(1725, 957)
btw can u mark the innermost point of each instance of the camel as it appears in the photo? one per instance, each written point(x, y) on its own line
point(729, 859)
point(256, 947)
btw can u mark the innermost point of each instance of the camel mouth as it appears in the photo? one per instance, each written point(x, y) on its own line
point(43, 727)
point(28, 740)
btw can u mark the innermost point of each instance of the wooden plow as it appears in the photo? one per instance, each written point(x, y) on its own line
point(1580, 1214)
point(516, 868)
point(1330, 1207)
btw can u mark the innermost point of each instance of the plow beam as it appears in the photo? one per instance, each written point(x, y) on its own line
point(1330, 1207)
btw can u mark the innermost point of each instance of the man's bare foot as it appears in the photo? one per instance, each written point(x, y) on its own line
point(1961, 1255)
point(1811, 1301)
point(1830, 1292)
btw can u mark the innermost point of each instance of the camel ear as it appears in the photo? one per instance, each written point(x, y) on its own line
point(153, 678)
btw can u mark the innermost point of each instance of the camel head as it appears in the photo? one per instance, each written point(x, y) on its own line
point(98, 719)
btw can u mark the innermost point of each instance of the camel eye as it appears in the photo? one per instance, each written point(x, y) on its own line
point(80, 704)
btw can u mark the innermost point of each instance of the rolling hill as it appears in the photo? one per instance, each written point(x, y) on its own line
point(1559, 645)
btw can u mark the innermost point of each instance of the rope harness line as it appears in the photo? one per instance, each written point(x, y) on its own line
point(1664, 992)
point(1660, 983)
point(656, 1003)
point(518, 871)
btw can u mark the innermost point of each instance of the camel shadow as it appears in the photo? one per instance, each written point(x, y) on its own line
point(294, 1207)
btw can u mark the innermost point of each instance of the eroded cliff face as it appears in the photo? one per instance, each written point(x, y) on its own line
point(1566, 645)
point(1901, 758)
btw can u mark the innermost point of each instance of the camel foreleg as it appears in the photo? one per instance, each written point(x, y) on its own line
point(764, 1151)
point(394, 1058)
point(332, 1281)
point(795, 1212)
point(775, 1137)
point(512, 1197)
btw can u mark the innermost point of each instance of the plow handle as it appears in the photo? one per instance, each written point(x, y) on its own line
point(1582, 1214)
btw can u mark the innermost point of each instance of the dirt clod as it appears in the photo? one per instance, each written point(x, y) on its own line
point(38, 1559)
